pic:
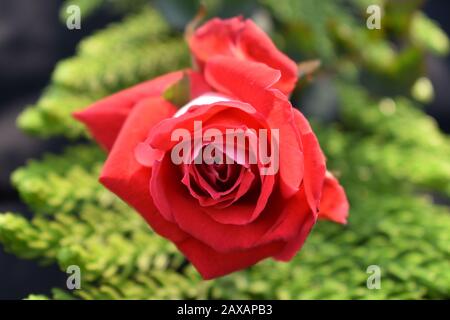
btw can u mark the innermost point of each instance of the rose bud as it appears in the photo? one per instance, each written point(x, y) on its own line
point(242, 39)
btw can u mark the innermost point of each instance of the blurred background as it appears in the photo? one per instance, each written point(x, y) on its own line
point(33, 38)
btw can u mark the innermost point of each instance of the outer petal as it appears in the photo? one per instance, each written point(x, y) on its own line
point(292, 162)
point(295, 245)
point(105, 117)
point(334, 204)
point(216, 37)
point(259, 47)
point(314, 162)
point(212, 264)
point(244, 80)
point(124, 176)
point(309, 219)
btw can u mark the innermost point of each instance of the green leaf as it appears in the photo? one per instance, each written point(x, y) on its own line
point(179, 93)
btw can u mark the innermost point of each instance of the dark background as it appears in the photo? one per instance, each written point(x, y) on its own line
point(32, 40)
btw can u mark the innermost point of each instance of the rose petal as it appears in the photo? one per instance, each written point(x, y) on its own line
point(249, 210)
point(242, 79)
point(294, 246)
point(216, 37)
point(105, 117)
point(160, 136)
point(176, 203)
point(291, 157)
point(259, 47)
point(198, 84)
point(314, 162)
point(127, 178)
point(244, 40)
point(212, 264)
point(334, 204)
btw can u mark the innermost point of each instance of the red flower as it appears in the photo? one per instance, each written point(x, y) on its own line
point(229, 215)
point(242, 39)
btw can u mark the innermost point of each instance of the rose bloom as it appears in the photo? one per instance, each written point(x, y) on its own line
point(228, 216)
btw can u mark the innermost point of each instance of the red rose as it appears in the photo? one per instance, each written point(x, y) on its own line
point(242, 39)
point(222, 217)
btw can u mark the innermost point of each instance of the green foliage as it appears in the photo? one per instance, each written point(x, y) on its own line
point(426, 33)
point(419, 156)
point(88, 7)
point(147, 49)
point(390, 157)
point(78, 222)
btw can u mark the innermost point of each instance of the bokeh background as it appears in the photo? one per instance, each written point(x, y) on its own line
point(365, 76)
